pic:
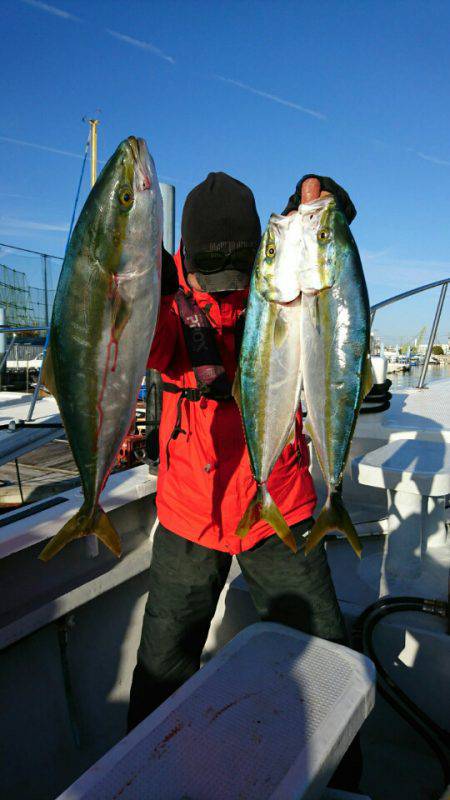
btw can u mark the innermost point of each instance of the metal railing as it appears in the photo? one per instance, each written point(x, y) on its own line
point(373, 310)
point(15, 330)
point(437, 316)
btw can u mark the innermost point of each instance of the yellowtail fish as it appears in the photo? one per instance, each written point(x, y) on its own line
point(335, 332)
point(268, 380)
point(104, 316)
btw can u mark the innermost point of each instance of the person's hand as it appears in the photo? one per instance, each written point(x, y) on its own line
point(169, 274)
point(311, 187)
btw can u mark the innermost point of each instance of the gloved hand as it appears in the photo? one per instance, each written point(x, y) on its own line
point(169, 274)
point(325, 185)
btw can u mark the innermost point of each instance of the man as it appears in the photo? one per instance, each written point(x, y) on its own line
point(204, 478)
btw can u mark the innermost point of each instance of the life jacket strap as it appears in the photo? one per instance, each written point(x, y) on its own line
point(193, 395)
point(190, 394)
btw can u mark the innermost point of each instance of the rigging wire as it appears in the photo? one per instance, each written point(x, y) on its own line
point(77, 196)
point(47, 337)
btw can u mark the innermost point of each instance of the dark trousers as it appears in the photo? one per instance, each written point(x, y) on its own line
point(185, 582)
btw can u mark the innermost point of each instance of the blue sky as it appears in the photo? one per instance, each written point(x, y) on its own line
point(266, 91)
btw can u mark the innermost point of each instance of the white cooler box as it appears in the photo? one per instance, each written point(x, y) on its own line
point(270, 716)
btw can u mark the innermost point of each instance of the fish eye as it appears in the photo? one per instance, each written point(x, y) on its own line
point(270, 250)
point(323, 235)
point(126, 197)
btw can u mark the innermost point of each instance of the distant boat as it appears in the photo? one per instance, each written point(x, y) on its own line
point(398, 363)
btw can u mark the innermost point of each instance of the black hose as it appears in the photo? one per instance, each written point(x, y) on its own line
point(375, 409)
point(378, 399)
point(363, 640)
point(380, 388)
point(436, 737)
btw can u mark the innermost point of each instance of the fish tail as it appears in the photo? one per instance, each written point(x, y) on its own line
point(263, 507)
point(82, 524)
point(333, 517)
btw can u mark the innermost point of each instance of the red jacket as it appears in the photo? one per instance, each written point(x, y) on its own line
point(208, 485)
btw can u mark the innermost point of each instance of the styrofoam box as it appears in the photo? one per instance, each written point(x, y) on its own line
point(270, 716)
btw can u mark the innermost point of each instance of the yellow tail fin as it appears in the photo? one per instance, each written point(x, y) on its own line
point(263, 507)
point(333, 517)
point(82, 524)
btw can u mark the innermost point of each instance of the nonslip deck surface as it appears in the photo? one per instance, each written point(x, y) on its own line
point(269, 717)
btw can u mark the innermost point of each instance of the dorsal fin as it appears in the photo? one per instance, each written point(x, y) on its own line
point(367, 377)
point(236, 389)
point(48, 374)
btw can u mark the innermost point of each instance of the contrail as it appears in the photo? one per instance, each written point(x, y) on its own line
point(30, 225)
point(57, 12)
point(10, 140)
point(139, 43)
point(274, 97)
point(440, 161)
point(20, 196)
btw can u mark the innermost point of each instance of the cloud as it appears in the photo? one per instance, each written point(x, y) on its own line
point(373, 255)
point(13, 224)
point(142, 45)
point(442, 162)
point(273, 97)
point(10, 140)
point(57, 12)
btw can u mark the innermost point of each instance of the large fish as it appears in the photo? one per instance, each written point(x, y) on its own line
point(268, 380)
point(335, 332)
point(103, 321)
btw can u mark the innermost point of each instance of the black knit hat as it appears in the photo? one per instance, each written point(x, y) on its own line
point(220, 210)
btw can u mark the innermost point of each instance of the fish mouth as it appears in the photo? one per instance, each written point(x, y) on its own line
point(134, 147)
point(279, 299)
point(293, 302)
point(141, 157)
point(306, 209)
point(314, 292)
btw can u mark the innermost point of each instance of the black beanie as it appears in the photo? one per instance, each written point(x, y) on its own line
point(220, 212)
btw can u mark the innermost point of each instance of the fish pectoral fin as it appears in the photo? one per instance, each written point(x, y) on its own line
point(367, 378)
point(291, 436)
point(313, 308)
point(83, 524)
point(48, 374)
point(263, 507)
point(280, 330)
point(236, 389)
point(120, 314)
point(333, 517)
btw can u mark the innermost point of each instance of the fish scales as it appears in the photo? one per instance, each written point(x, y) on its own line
point(268, 381)
point(270, 377)
point(335, 331)
point(103, 321)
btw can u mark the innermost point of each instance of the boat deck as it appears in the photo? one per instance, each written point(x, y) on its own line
point(86, 613)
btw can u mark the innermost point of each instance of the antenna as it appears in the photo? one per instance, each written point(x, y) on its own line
point(93, 144)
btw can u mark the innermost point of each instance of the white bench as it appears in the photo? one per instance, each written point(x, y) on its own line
point(269, 717)
point(416, 475)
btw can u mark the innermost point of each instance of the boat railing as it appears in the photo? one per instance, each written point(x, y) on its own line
point(437, 316)
point(14, 330)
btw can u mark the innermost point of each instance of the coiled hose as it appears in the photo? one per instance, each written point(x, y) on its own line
point(378, 399)
point(436, 737)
